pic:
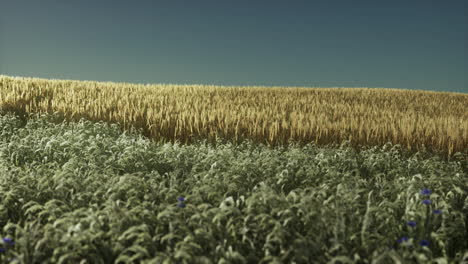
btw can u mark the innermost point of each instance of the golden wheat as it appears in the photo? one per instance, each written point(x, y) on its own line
point(272, 115)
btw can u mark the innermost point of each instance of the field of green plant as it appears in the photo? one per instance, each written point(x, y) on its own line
point(89, 193)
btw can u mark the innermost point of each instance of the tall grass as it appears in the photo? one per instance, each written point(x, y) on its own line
point(87, 193)
point(416, 120)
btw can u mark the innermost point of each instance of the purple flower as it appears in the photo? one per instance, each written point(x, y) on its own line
point(2, 250)
point(181, 199)
point(426, 202)
point(424, 243)
point(403, 239)
point(181, 205)
point(425, 192)
point(437, 211)
point(411, 223)
point(8, 240)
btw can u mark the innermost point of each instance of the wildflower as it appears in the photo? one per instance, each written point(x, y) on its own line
point(2, 250)
point(9, 241)
point(425, 192)
point(181, 205)
point(424, 243)
point(403, 239)
point(411, 223)
point(437, 211)
point(426, 202)
point(181, 199)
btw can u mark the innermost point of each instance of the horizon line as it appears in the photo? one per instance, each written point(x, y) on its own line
point(239, 86)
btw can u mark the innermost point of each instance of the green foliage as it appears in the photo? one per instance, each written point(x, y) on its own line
point(89, 193)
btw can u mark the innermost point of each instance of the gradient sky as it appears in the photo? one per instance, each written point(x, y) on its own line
point(410, 44)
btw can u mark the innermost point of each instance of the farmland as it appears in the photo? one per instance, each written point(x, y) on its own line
point(207, 176)
point(417, 120)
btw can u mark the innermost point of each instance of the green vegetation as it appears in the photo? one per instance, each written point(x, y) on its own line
point(89, 193)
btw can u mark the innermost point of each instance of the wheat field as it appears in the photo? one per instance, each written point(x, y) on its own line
point(271, 115)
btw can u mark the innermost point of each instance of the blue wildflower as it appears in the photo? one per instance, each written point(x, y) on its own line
point(411, 223)
point(181, 199)
point(426, 202)
point(9, 241)
point(437, 211)
point(424, 243)
point(181, 205)
point(403, 239)
point(425, 192)
point(2, 250)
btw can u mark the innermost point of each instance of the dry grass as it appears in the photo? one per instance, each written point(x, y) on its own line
point(272, 115)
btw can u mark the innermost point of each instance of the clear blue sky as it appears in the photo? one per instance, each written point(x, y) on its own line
point(394, 44)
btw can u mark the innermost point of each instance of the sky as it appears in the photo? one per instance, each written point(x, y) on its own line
point(406, 44)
